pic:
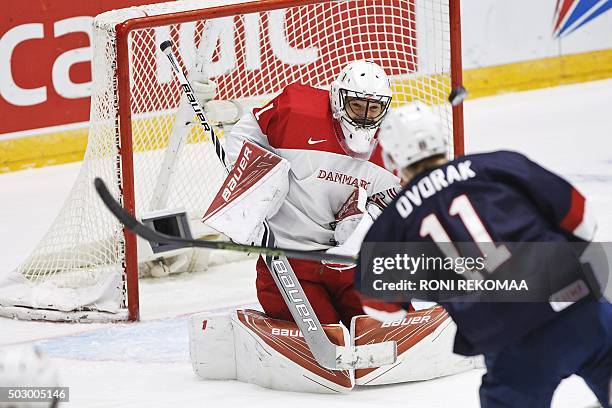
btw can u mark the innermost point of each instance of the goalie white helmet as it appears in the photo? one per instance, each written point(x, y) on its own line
point(359, 98)
point(25, 366)
point(410, 134)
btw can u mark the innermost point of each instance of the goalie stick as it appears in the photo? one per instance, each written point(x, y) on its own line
point(151, 235)
point(326, 353)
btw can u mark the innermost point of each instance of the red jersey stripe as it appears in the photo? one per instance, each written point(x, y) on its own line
point(574, 216)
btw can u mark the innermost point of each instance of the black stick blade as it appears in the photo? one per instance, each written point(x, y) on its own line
point(151, 235)
point(112, 205)
point(126, 218)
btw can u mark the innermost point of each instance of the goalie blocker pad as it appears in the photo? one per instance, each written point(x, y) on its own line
point(248, 346)
point(424, 347)
point(253, 190)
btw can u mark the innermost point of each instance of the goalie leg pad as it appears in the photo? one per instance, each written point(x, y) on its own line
point(248, 346)
point(273, 354)
point(211, 346)
point(424, 347)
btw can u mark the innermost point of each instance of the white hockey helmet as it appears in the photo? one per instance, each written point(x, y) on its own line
point(25, 366)
point(411, 133)
point(360, 98)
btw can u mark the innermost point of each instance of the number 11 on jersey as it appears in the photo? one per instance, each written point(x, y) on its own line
point(494, 255)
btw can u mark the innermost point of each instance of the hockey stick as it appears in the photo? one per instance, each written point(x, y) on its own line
point(149, 234)
point(326, 353)
point(166, 48)
point(180, 128)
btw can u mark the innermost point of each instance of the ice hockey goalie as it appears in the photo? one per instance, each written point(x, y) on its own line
point(308, 162)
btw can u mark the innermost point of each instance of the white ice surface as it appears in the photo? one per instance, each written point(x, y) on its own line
point(568, 129)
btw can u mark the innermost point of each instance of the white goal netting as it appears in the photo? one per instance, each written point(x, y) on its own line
point(78, 270)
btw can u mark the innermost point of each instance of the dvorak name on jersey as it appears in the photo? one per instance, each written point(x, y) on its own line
point(429, 185)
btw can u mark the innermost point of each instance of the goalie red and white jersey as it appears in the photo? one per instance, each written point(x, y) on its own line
point(298, 126)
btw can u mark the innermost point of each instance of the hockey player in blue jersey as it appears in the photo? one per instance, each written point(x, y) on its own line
point(492, 198)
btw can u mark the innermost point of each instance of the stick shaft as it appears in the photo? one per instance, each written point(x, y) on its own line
point(166, 48)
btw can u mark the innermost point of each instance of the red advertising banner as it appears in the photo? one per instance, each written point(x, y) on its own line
point(45, 54)
point(46, 51)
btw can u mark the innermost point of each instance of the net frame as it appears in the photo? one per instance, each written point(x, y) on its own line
point(123, 31)
point(189, 11)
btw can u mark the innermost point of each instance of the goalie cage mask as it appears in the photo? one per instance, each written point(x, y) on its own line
point(359, 98)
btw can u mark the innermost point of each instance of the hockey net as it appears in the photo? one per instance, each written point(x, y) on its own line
point(86, 266)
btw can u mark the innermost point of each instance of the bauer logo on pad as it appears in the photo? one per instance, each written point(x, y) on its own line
point(252, 164)
point(253, 190)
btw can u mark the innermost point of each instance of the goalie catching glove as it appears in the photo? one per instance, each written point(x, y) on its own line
point(253, 191)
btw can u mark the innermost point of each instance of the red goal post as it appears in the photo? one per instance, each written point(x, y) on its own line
point(135, 99)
